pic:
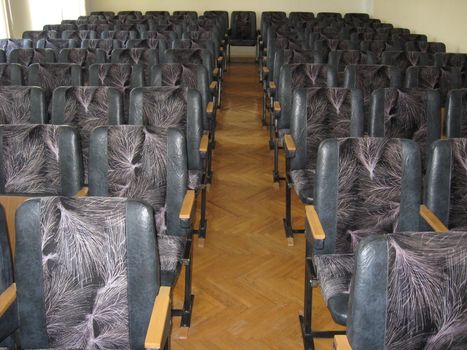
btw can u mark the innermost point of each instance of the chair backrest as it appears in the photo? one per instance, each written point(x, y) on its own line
point(134, 14)
point(445, 192)
point(159, 44)
point(301, 75)
point(79, 34)
point(456, 113)
point(406, 59)
point(86, 108)
point(323, 113)
point(409, 113)
point(451, 60)
point(11, 74)
point(293, 56)
point(83, 57)
point(224, 15)
point(122, 35)
point(365, 186)
point(22, 105)
point(144, 57)
point(40, 160)
point(36, 35)
point(171, 107)
point(408, 292)
point(328, 15)
point(105, 44)
point(424, 46)
point(243, 24)
point(193, 15)
point(153, 179)
point(296, 17)
point(209, 45)
point(8, 45)
point(119, 75)
point(57, 44)
point(86, 258)
point(341, 58)
point(192, 56)
point(27, 57)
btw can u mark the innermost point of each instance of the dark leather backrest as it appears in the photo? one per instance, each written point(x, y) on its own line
point(119, 75)
point(79, 34)
point(243, 24)
point(8, 45)
point(159, 44)
point(294, 56)
point(194, 56)
point(423, 46)
point(209, 45)
point(451, 60)
point(35, 35)
point(171, 107)
point(22, 105)
point(456, 113)
point(408, 113)
point(322, 113)
point(445, 191)
point(341, 58)
point(40, 159)
point(2, 56)
point(105, 44)
point(302, 75)
point(26, 57)
point(405, 59)
point(57, 44)
point(350, 197)
point(83, 57)
point(122, 35)
point(12, 74)
point(105, 158)
point(118, 240)
point(144, 57)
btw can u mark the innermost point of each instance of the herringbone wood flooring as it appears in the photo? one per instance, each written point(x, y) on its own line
point(248, 283)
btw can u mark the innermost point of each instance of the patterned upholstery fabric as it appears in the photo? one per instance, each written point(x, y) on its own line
point(423, 46)
point(309, 75)
point(56, 44)
point(26, 57)
point(438, 78)
point(79, 34)
point(114, 75)
point(9, 45)
point(451, 60)
point(458, 203)
point(406, 59)
point(105, 44)
point(427, 302)
point(369, 189)
point(30, 159)
point(146, 43)
point(83, 57)
point(346, 57)
point(193, 56)
point(85, 286)
point(146, 57)
point(122, 35)
point(334, 272)
point(179, 74)
point(372, 77)
point(242, 19)
point(375, 46)
point(137, 169)
point(36, 35)
point(15, 105)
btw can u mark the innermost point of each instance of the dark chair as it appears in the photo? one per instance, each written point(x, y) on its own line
point(423, 46)
point(409, 114)
point(22, 105)
point(292, 77)
point(106, 14)
point(83, 57)
point(406, 59)
point(122, 35)
point(135, 14)
point(27, 57)
point(445, 191)
point(446, 60)
point(12, 74)
point(408, 292)
point(105, 44)
point(86, 108)
point(456, 114)
point(159, 44)
point(363, 187)
point(328, 15)
point(111, 279)
point(8, 45)
point(79, 35)
point(316, 114)
point(57, 44)
point(36, 35)
point(159, 35)
point(53, 75)
point(192, 15)
point(295, 17)
point(146, 58)
point(150, 164)
point(342, 58)
point(243, 29)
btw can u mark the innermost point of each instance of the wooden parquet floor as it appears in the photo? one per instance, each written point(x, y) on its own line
point(248, 283)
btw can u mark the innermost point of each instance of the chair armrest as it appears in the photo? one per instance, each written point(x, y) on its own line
point(210, 107)
point(213, 87)
point(432, 220)
point(203, 145)
point(82, 192)
point(272, 87)
point(220, 59)
point(186, 211)
point(160, 318)
point(289, 146)
point(215, 72)
point(312, 218)
point(7, 298)
point(265, 72)
point(277, 108)
point(341, 342)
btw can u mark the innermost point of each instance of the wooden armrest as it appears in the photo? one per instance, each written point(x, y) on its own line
point(10, 204)
point(210, 107)
point(213, 86)
point(7, 298)
point(203, 145)
point(221, 49)
point(315, 224)
point(188, 204)
point(432, 220)
point(277, 107)
point(272, 85)
point(341, 342)
point(159, 319)
point(82, 192)
point(220, 59)
point(215, 72)
point(290, 146)
point(266, 70)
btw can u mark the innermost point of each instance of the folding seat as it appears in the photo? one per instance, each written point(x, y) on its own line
point(146, 58)
point(363, 187)
point(123, 35)
point(156, 174)
point(105, 44)
point(79, 35)
point(27, 57)
point(445, 60)
point(85, 108)
point(123, 77)
point(36, 35)
point(52, 75)
point(456, 114)
point(424, 46)
point(406, 59)
point(83, 57)
point(38, 160)
point(22, 105)
point(429, 77)
point(157, 44)
point(416, 284)
point(113, 280)
point(341, 58)
point(292, 77)
point(243, 29)
point(192, 15)
point(8, 45)
point(209, 45)
point(295, 17)
point(57, 44)
point(11, 74)
point(316, 114)
point(369, 77)
point(407, 113)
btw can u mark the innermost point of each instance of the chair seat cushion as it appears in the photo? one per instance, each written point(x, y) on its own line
point(195, 179)
point(242, 42)
point(334, 272)
point(303, 180)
